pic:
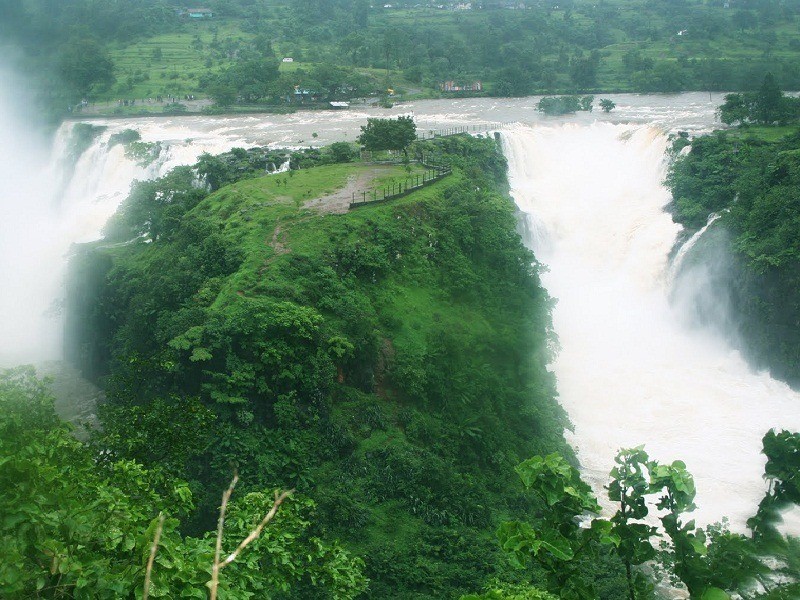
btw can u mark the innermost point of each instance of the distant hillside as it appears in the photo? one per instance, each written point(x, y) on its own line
point(112, 51)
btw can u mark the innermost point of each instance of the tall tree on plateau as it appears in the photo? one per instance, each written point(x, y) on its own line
point(388, 134)
point(769, 100)
point(85, 66)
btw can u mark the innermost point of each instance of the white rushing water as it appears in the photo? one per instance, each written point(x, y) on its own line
point(47, 203)
point(629, 372)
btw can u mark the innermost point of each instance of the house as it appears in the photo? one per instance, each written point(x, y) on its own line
point(303, 94)
point(199, 13)
point(452, 86)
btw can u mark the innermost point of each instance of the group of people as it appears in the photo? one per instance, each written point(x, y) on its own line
point(170, 99)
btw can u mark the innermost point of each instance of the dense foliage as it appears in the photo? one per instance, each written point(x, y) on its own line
point(388, 134)
point(76, 527)
point(388, 363)
point(767, 106)
point(564, 105)
point(711, 564)
point(753, 183)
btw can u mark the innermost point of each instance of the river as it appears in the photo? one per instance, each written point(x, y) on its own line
point(629, 370)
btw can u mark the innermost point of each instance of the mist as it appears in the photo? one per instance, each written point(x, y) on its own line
point(701, 280)
point(31, 248)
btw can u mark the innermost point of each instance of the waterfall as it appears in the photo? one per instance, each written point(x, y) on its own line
point(630, 370)
point(48, 203)
point(685, 248)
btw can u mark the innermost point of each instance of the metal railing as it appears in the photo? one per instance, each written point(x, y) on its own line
point(397, 189)
point(456, 130)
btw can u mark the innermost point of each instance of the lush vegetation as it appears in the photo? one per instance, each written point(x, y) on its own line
point(711, 564)
point(350, 48)
point(767, 106)
point(74, 526)
point(81, 524)
point(388, 363)
point(751, 176)
point(564, 105)
point(388, 134)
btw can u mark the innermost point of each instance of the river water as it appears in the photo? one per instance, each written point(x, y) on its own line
point(590, 186)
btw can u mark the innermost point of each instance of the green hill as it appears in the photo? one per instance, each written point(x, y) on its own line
point(388, 362)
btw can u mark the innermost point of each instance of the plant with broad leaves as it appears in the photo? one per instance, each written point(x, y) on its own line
point(555, 539)
point(629, 487)
point(74, 527)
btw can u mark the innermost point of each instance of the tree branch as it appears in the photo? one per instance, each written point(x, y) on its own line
point(151, 558)
point(220, 526)
point(279, 498)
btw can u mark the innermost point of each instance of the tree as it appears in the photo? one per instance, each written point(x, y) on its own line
point(223, 93)
point(744, 19)
point(735, 109)
point(85, 66)
point(511, 592)
point(583, 70)
point(388, 134)
point(688, 547)
point(153, 208)
point(768, 101)
point(559, 105)
point(766, 106)
point(74, 527)
point(783, 464)
point(342, 152)
point(607, 105)
point(556, 538)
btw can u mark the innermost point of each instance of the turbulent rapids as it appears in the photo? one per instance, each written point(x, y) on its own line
point(629, 372)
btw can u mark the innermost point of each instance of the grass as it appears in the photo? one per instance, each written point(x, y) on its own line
point(265, 218)
point(250, 212)
point(765, 133)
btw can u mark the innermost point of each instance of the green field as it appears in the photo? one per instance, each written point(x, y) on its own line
point(172, 64)
point(638, 48)
point(344, 49)
point(766, 133)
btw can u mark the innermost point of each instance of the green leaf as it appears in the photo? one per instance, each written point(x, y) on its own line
point(519, 540)
point(558, 546)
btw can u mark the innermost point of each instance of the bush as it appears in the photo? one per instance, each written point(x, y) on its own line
point(124, 137)
point(175, 108)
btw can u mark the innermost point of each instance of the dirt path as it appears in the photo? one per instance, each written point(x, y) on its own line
point(339, 201)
